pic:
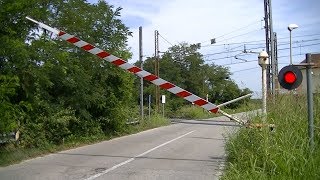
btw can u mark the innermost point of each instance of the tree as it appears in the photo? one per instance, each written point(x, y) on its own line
point(55, 84)
point(184, 66)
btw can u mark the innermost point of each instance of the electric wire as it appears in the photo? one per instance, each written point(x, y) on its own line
point(242, 34)
point(307, 45)
point(244, 27)
point(257, 41)
point(244, 54)
point(245, 69)
point(165, 39)
point(262, 47)
point(237, 63)
point(230, 64)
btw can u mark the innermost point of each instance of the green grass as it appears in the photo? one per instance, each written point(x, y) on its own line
point(195, 112)
point(253, 104)
point(11, 153)
point(281, 154)
point(145, 124)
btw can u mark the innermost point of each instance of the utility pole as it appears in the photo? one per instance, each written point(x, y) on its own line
point(272, 49)
point(277, 85)
point(271, 70)
point(266, 26)
point(141, 79)
point(156, 68)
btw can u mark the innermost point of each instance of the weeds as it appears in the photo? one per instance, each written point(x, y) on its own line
point(195, 112)
point(281, 154)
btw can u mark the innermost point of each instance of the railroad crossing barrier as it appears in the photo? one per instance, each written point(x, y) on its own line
point(138, 71)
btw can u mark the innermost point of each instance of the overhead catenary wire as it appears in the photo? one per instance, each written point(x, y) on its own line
point(300, 54)
point(228, 33)
point(242, 34)
point(226, 51)
point(165, 39)
point(262, 47)
point(249, 43)
point(306, 45)
point(245, 69)
point(238, 63)
point(244, 54)
point(256, 41)
point(254, 48)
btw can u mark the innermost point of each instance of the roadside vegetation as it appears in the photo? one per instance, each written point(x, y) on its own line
point(280, 154)
point(195, 112)
point(13, 153)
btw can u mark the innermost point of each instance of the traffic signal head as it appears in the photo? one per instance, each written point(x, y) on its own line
point(290, 77)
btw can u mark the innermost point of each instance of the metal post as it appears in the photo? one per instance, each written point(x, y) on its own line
point(277, 85)
point(149, 107)
point(141, 79)
point(156, 69)
point(310, 102)
point(163, 109)
point(290, 48)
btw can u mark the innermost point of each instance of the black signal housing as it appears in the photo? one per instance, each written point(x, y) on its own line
point(290, 77)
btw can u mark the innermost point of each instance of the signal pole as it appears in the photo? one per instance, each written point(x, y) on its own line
point(156, 68)
point(276, 82)
point(141, 79)
point(266, 26)
point(271, 70)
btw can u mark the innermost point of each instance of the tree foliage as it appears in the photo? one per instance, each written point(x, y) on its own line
point(184, 66)
point(51, 90)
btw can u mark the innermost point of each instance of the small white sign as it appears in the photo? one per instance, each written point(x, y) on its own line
point(163, 99)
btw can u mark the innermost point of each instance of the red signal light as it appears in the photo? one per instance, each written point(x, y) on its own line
point(290, 77)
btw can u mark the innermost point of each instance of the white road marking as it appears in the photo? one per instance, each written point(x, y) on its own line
point(131, 159)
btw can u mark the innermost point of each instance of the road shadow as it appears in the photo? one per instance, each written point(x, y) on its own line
point(210, 123)
point(202, 120)
point(208, 138)
point(211, 158)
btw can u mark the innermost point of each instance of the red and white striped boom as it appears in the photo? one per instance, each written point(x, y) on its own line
point(135, 70)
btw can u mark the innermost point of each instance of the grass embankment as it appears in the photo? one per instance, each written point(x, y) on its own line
point(281, 154)
point(11, 153)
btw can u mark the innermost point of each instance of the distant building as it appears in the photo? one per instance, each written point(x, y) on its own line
point(315, 74)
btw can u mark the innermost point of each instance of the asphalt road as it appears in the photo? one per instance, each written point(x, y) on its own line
point(187, 149)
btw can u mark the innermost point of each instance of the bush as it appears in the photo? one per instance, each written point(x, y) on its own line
point(57, 126)
point(9, 112)
point(33, 135)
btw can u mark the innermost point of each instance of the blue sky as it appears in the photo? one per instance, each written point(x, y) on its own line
point(231, 22)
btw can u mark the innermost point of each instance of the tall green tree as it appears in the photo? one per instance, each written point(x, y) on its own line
point(60, 88)
point(184, 66)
